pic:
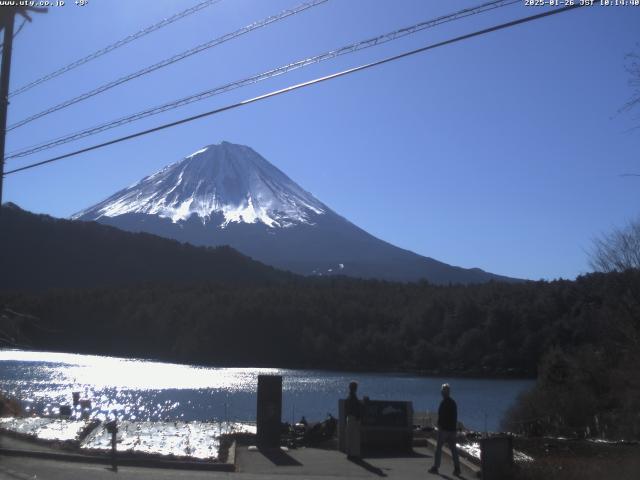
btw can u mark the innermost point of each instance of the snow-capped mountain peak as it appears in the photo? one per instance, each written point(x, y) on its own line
point(229, 195)
point(226, 179)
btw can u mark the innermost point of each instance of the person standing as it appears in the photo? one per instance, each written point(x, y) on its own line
point(447, 426)
point(353, 414)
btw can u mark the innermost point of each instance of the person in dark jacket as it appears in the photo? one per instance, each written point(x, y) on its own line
point(447, 426)
point(353, 414)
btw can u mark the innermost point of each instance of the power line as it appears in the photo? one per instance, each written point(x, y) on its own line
point(24, 20)
point(354, 47)
point(301, 85)
point(118, 44)
point(166, 62)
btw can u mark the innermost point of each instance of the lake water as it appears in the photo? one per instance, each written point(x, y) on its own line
point(148, 390)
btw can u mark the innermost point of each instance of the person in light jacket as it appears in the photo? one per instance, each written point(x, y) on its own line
point(447, 426)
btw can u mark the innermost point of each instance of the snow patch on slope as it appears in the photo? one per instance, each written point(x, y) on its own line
point(231, 180)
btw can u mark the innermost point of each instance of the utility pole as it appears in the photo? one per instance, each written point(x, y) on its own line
point(7, 17)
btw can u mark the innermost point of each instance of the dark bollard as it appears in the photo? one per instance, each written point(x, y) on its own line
point(496, 458)
point(269, 415)
point(76, 398)
point(112, 428)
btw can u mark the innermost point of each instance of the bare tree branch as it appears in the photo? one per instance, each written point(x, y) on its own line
point(632, 66)
point(618, 250)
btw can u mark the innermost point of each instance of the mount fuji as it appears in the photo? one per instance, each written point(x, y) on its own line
point(228, 194)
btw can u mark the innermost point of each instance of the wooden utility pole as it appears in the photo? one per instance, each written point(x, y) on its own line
point(7, 17)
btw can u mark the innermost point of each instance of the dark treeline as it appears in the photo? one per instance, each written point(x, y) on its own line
point(582, 337)
point(340, 323)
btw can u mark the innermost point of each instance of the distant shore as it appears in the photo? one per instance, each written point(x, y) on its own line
point(497, 374)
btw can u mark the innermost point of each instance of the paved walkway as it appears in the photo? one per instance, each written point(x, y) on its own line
point(251, 465)
point(311, 462)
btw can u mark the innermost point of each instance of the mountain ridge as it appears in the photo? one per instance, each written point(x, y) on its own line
point(39, 252)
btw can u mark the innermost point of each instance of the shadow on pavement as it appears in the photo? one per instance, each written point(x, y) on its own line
point(411, 454)
point(451, 477)
point(367, 466)
point(279, 457)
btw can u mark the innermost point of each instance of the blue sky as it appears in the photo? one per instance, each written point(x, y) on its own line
point(503, 152)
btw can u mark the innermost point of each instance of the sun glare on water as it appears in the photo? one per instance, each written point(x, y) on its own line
point(100, 372)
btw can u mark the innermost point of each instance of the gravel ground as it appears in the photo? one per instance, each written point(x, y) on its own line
point(578, 459)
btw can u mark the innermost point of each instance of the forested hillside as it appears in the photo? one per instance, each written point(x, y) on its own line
point(39, 252)
point(340, 323)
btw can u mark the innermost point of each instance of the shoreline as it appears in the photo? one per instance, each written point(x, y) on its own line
point(501, 374)
point(193, 443)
